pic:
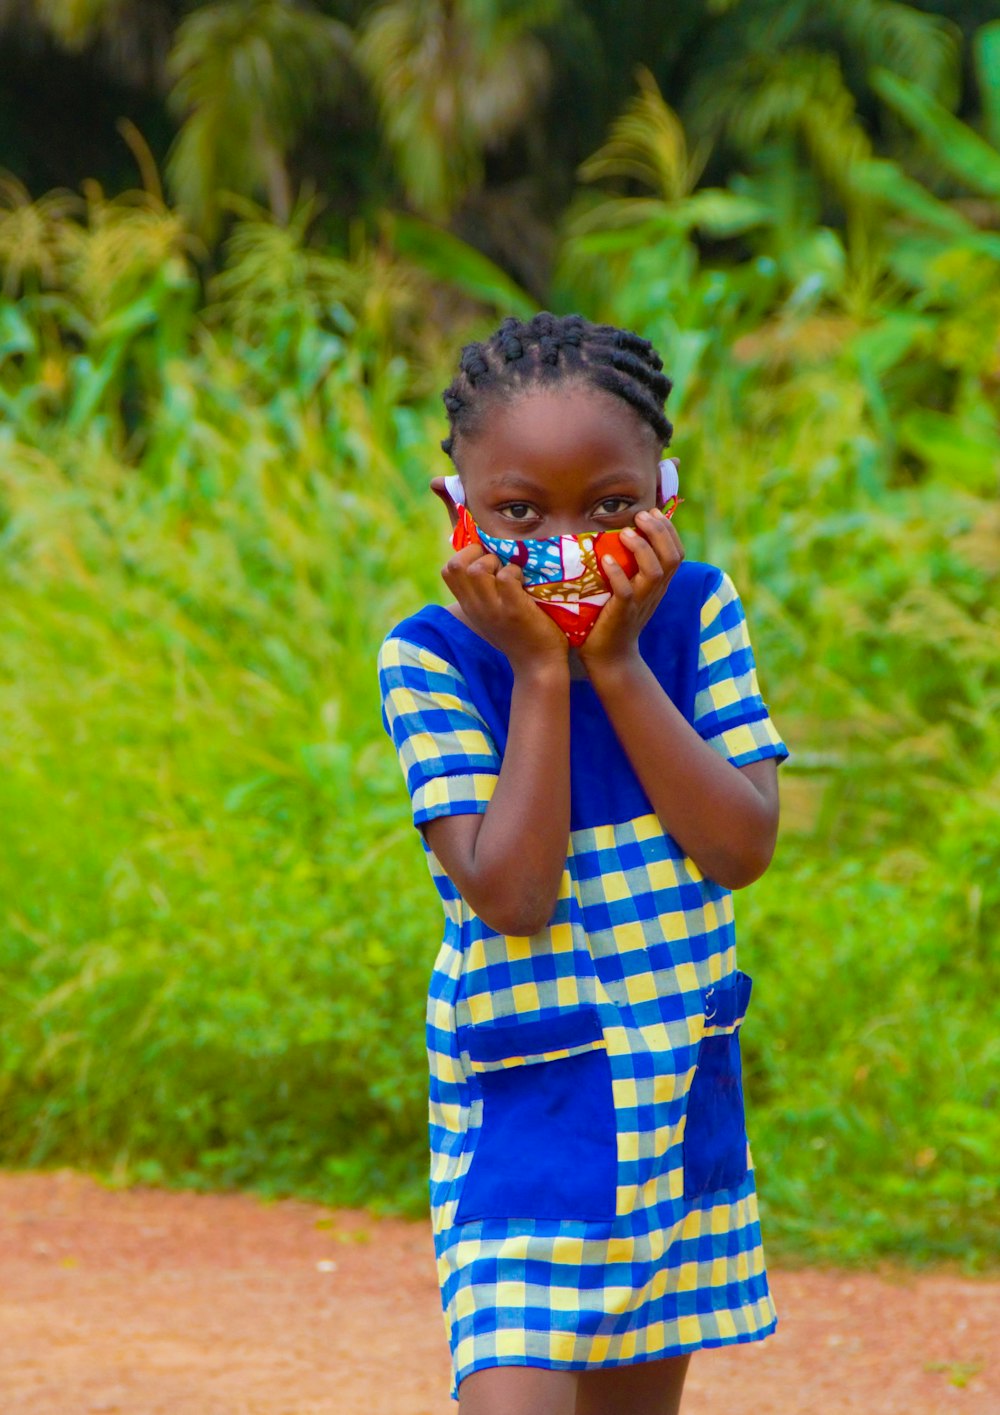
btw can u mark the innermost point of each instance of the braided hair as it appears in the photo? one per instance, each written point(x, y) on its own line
point(548, 349)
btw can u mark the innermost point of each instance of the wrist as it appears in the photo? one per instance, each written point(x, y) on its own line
point(542, 671)
point(617, 673)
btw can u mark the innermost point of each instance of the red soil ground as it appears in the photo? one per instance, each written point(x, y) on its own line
point(147, 1302)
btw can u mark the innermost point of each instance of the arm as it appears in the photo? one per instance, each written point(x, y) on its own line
point(508, 862)
point(724, 817)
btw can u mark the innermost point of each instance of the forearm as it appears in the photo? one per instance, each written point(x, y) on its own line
point(519, 851)
point(712, 810)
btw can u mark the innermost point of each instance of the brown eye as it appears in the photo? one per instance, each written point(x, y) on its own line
point(613, 505)
point(518, 511)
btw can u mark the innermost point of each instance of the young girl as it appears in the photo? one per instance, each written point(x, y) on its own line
point(591, 781)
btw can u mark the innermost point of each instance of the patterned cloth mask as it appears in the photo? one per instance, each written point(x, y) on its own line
point(565, 574)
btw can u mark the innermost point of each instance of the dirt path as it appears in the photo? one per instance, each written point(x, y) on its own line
point(148, 1302)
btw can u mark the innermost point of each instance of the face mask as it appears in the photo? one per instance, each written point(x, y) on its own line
point(565, 574)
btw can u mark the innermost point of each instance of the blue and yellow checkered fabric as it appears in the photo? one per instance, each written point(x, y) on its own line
point(589, 1233)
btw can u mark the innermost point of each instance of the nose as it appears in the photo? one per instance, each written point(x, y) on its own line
point(566, 523)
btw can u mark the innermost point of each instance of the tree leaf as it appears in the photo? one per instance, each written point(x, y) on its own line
point(986, 51)
point(956, 147)
point(884, 180)
point(450, 260)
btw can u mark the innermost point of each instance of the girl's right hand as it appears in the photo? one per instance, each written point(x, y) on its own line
point(495, 603)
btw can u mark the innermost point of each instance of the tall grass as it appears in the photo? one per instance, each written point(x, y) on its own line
point(217, 926)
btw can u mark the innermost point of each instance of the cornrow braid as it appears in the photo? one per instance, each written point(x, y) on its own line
point(542, 351)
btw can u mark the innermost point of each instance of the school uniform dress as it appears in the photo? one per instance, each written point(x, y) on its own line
point(591, 1184)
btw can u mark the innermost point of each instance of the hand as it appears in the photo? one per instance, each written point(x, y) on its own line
point(658, 551)
point(493, 598)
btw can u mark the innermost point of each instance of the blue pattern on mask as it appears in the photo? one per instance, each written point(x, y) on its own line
point(541, 561)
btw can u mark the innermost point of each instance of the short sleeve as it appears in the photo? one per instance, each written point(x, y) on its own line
point(729, 711)
point(448, 757)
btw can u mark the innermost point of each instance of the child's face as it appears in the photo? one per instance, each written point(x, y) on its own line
point(557, 462)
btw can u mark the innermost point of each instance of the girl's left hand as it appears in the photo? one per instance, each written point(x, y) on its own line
point(658, 552)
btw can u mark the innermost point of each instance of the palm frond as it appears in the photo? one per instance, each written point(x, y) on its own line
point(269, 269)
point(800, 92)
point(648, 145)
point(412, 57)
point(245, 73)
point(922, 47)
point(31, 233)
point(452, 79)
point(111, 257)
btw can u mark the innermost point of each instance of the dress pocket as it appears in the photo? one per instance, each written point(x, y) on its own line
point(547, 1147)
point(715, 1137)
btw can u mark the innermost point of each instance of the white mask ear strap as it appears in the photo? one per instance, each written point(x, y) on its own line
point(669, 481)
point(453, 486)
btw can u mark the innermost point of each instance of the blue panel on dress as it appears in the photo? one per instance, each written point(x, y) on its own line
point(548, 1147)
point(715, 1138)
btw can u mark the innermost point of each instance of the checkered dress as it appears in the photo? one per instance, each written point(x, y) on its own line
point(591, 1185)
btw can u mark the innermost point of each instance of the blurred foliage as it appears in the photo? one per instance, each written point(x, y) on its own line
point(246, 74)
point(217, 926)
point(453, 78)
point(453, 109)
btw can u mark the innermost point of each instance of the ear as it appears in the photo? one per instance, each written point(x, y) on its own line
point(440, 490)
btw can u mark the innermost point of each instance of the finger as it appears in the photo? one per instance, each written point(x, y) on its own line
point(469, 553)
point(487, 564)
point(661, 535)
point(674, 538)
point(512, 591)
point(466, 579)
point(672, 530)
point(621, 585)
point(510, 587)
point(646, 556)
point(478, 595)
point(462, 559)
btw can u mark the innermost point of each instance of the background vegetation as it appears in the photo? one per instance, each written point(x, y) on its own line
point(218, 415)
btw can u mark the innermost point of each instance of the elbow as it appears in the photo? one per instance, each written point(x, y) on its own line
point(742, 880)
point(747, 860)
point(514, 923)
point(738, 871)
point(517, 918)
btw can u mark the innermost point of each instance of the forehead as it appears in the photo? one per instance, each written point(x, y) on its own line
point(542, 433)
